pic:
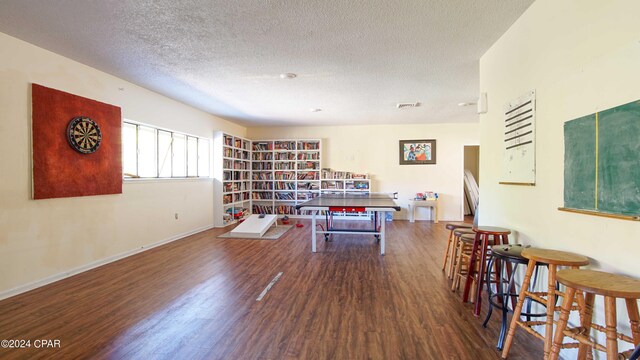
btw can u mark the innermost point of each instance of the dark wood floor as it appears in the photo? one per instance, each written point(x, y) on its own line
point(196, 299)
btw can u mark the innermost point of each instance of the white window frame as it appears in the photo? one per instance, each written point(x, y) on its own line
point(158, 160)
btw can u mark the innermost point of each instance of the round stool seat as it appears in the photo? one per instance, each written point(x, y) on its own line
point(492, 230)
point(469, 238)
point(511, 252)
point(459, 232)
point(600, 283)
point(555, 257)
point(458, 225)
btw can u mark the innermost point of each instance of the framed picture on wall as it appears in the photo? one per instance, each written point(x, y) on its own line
point(417, 152)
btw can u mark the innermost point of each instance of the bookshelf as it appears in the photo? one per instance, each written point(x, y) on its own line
point(232, 174)
point(284, 172)
point(273, 176)
point(343, 182)
point(332, 181)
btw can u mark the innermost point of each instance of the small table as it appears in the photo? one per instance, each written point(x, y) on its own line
point(414, 204)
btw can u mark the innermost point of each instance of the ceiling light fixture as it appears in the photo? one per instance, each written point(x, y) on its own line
point(288, 76)
point(315, 110)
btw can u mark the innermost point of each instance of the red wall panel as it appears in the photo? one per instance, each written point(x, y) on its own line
point(58, 169)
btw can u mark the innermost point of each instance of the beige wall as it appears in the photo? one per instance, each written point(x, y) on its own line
point(374, 149)
point(580, 56)
point(43, 240)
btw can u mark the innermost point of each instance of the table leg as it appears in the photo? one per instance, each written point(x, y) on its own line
point(412, 213)
point(382, 226)
point(313, 230)
point(434, 211)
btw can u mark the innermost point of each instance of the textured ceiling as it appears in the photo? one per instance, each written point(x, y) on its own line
point(354, 59)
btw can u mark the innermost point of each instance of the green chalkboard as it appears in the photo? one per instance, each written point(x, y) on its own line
point(602, 165)
point(579, 166)
point(619, 159)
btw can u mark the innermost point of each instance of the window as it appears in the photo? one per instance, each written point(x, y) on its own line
point(149, 152)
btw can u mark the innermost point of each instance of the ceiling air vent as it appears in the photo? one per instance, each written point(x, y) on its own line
point(407, 105)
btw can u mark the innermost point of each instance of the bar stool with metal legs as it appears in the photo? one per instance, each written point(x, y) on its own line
point(450, 252)
point(554, 259)
point(611, 286)
point(507, 259)
point(636, 354)
point(481, 246)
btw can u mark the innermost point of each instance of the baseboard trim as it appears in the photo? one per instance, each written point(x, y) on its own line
point(65, 274)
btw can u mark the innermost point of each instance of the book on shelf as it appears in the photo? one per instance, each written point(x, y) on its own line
point(285, 186)
point(262, 146)
point(310, 175)
point(261, 166)
point(308, 165)
point(309, 156)
point(333, 174)
point(263, 185)
point(284, 145)
point(265, 175)
point(308, 186)
point(308, 145)
point(331, 185)
point(283, 156)
point(284, 196)
point(257, 195)
point(285, 210)
point(284, 166)
point(262, 209)
point(285, 175)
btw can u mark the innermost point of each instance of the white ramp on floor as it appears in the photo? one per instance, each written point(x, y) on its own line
point(253, 226)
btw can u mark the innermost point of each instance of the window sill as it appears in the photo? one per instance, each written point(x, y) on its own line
point(152, 180)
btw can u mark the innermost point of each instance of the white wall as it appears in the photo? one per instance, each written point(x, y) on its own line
point(580, 56)
point(374, 149)
point(45, 239)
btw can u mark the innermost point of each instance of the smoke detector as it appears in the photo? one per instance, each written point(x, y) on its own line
point(407, 105)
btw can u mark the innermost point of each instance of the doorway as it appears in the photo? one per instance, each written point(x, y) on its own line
point(471, 183)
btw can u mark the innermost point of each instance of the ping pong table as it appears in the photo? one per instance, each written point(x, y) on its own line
point(331, 204)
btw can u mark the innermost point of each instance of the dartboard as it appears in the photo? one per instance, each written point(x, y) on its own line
point(84, 135)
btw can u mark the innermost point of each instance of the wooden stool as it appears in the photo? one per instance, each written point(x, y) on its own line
point(479, 253)
point(463, 253)
point(610, 286)
point(554, 259)
point(449, 253)
point(455, 245)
